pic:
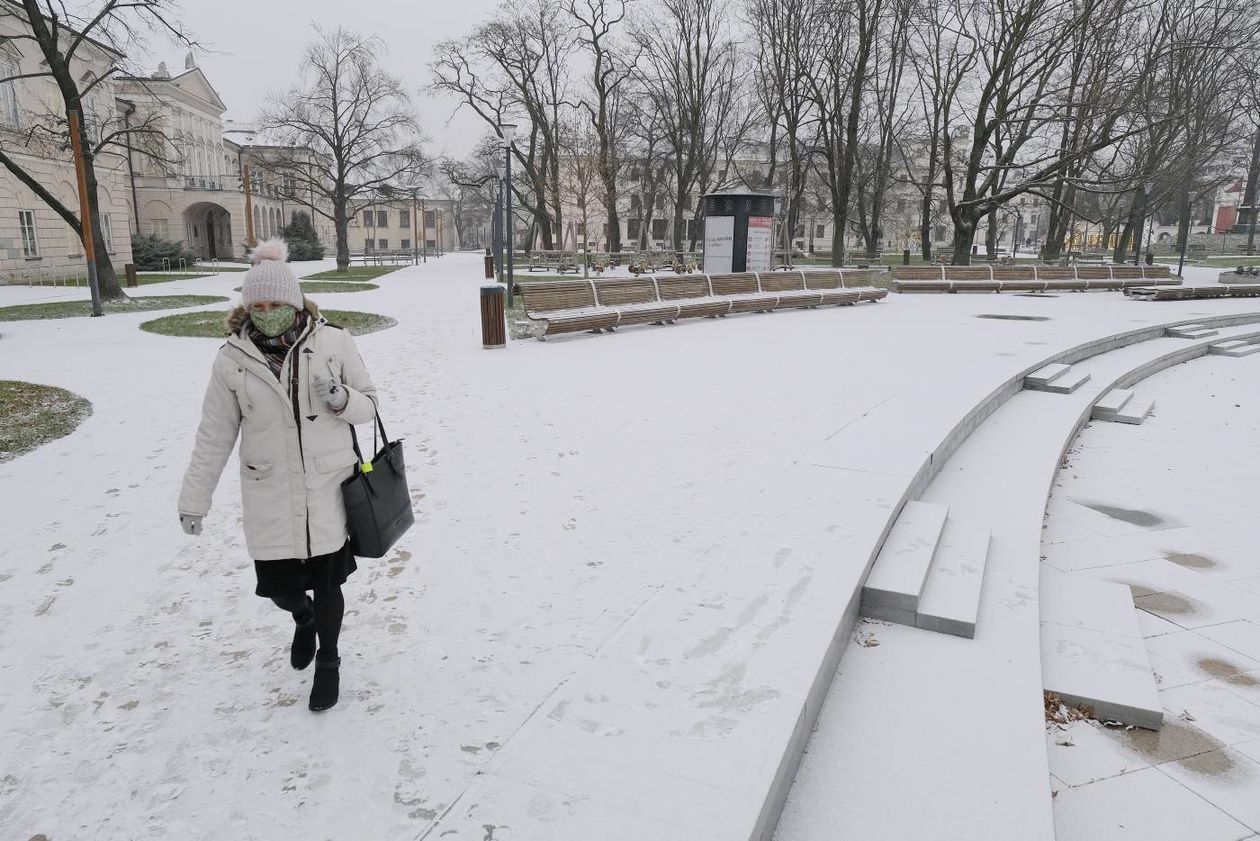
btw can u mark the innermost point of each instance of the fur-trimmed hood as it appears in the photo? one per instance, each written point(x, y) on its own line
point(236, 318)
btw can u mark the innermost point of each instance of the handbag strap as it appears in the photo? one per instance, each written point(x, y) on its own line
point(354, 438)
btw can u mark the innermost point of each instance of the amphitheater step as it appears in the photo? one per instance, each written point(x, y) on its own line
point(900, 571)
point(1191, 331)
point(1092, 651)
point(1110, 404)
point(1235, 347)
point(1064, 383)
point(1041, 378)
point(1136, 410)
point(951, 597)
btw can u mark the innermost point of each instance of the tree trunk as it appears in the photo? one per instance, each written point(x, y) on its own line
point(838, 223)
point(1249, 193)
point(926, 234)
point(342, 228)
point(991, 234)
point(106, 277)
point(964, 236)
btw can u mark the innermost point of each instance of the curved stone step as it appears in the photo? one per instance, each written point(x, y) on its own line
point(951, 596)
point(900, 572)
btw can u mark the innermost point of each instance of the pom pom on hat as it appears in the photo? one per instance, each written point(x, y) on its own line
point(272, 249)
point(270, 279)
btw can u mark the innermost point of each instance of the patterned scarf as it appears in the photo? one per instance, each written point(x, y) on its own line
point(276, 349)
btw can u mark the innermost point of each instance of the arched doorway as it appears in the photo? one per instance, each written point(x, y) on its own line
point(208, 231)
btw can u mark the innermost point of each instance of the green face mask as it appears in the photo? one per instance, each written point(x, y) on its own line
point(275, 321)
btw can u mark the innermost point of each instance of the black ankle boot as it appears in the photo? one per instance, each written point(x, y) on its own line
point(327, 685)
point(303, 650)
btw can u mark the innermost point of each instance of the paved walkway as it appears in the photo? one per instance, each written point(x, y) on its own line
point(1169, 508)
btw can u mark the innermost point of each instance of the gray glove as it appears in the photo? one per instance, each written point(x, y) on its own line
point(190, 523)
point(331, 392)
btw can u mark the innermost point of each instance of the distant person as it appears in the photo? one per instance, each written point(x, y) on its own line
point(291, 384)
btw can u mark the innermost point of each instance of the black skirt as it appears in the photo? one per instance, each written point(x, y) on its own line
point(297, 575)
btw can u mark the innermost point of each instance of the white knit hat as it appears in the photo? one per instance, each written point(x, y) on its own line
point(270, 278)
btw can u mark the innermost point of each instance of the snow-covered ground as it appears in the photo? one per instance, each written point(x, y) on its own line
point(1168, 508)
point(144, 689)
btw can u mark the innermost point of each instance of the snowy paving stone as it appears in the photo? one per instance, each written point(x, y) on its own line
point(1225, 778)
point(1140, 806)
point(1242, 636)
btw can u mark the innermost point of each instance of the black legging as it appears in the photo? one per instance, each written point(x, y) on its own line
point(329, 606)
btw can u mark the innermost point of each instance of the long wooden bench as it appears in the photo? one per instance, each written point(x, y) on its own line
point(561, 261)
point(608, 303)
point(1193, 293)
point(1027, 278)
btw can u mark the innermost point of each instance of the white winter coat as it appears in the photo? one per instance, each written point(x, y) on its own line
point(293, 457)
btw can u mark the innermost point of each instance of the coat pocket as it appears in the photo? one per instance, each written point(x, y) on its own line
point(256, 471)
point(334, 461)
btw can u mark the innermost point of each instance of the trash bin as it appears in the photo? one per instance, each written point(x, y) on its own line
point(130, 269)
point(493, 324)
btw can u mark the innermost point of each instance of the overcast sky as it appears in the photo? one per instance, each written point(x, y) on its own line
point(255, 47)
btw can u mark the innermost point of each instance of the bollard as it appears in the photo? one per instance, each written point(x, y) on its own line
point(130, 269)
point(493, 325)
point(489, 265)
point(905, 256)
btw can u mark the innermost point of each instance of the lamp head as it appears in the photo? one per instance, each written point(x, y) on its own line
point(508, 130)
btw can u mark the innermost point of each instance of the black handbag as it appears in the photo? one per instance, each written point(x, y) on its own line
point(378, 502)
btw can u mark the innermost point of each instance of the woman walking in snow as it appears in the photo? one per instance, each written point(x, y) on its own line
point(290, 384)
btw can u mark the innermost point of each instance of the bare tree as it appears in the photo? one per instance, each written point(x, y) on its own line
point(65, 39)
point(688, 75)
point(346, 130)
point(612, 66)
point(785, 58)
point(1002, 88)
point(885, 120)
point(517, 64)
point(847, 31)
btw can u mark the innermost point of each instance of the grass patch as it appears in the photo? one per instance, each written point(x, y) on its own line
point(356, 273)
point(320, 287)
point(160, 277)
point(32, 415)
point(75, 309)
point(212, 324)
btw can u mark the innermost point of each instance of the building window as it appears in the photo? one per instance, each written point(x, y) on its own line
point(382, 244)
point(107, 231)
point(30, 239)
point(636, 202)
point(367, 218)
point(8, 93)
point(161, 228)
point(382, 218)
point(632, 228)
point(658, 228)
point(406, 244)
point(367, 244)
point(820, 231)
point(430, 218)
point(404, 218)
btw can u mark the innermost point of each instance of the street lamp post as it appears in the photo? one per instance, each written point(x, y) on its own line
point(424, 233)
point(496, 227)
point(508, 130)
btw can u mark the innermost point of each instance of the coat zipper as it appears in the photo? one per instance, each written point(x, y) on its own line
point(296, 356)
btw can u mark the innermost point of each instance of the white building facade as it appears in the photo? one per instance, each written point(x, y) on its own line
point(36, 243)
